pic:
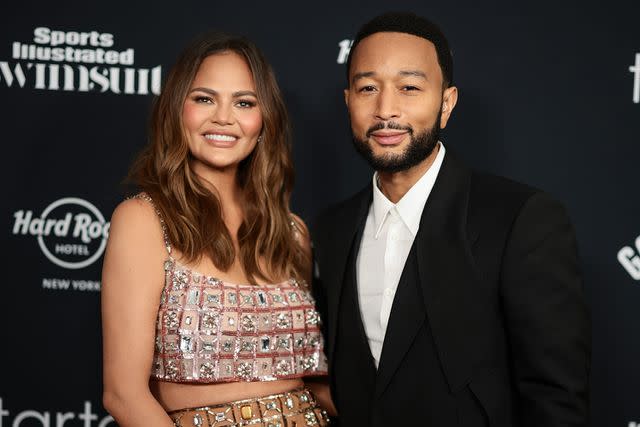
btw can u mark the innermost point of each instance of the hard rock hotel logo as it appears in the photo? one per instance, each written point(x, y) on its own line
point(71, 232)
point(73, 61)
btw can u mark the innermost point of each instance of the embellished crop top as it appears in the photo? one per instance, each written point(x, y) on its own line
point(212, 331)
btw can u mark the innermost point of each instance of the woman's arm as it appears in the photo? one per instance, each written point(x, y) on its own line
point(132, 280)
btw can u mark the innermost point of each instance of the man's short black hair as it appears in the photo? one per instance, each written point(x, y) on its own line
point(409, 23)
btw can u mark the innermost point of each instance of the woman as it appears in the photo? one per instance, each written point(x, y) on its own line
point(207, 317)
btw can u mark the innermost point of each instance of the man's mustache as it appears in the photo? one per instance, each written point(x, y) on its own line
point(388, 125)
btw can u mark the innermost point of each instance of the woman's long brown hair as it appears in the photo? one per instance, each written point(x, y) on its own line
point(268, 247)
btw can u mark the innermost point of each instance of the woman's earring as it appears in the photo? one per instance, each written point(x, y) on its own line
point(260, 138)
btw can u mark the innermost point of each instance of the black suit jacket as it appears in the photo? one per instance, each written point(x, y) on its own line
point(493, 330)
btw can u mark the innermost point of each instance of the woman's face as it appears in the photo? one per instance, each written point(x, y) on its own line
point(221, 115)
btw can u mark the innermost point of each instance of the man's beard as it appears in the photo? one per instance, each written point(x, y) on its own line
point(419, 148)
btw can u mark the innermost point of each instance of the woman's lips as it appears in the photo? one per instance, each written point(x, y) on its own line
point(387, 138)
point(221, 139)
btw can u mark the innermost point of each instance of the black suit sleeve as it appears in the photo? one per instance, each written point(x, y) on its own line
point(546, 317)
point(317, 285)
point(318, 292)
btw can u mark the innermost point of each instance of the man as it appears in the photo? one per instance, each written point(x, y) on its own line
point(450, 297)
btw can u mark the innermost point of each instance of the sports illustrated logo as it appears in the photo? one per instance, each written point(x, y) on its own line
point(343, 52)
point(73, 61)
point(630, 259)
point(71, 232)
point(635, 69)
point(58, 419)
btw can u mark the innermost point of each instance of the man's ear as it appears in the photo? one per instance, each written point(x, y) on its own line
point(449, 101)
point(346, 97)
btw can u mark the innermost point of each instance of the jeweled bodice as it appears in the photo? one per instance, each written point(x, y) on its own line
point(211, 331)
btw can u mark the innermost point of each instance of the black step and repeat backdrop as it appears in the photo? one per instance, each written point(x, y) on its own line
point(549, 95)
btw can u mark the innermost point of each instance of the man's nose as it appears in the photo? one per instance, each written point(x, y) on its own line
point(387, 107)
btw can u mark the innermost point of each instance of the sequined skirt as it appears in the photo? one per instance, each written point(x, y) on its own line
point(296, 408)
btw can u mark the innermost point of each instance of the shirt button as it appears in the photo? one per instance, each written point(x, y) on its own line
point(388, 292)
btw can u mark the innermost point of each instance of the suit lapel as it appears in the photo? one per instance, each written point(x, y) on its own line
point(406, 318)
point(444, 269)
point(342, 243)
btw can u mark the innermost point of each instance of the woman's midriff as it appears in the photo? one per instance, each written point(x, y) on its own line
point(173, 396)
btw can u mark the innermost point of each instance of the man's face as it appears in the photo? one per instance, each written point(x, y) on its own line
point(395, 98)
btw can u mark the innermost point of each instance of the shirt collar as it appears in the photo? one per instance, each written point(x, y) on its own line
point(411, 205)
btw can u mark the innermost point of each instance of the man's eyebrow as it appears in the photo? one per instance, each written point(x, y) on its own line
point(403, 73)
point(214, 93)
point(414, 73)
point(362, 75)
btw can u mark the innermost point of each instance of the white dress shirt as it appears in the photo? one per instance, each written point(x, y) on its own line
point(388, 236)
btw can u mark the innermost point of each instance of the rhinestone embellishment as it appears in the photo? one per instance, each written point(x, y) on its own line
point(284, 343)
point(244, 370)
point(283, 367)
point(193, 296)
point(206, 370)
point(171, 369)
point(283, 321)
point(180, 279)
point(185, 345)
point(227, 346)
point(209, 320)
point(209, 330)
point(313, 341)
point(310, 418)
point(271, 405)
point(246, 299)
point(213, 281)
point(289, 402)
point(171, 320)
point(248, 323)
point(246, 412)
point(208, 347)
point(197, 420)
point(308, 362)
point(232, 299)
point(312, 317)
point(262, 298)
point(248, 346)
point(277, 298)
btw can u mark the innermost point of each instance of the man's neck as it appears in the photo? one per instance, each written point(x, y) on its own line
point(394, 185)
